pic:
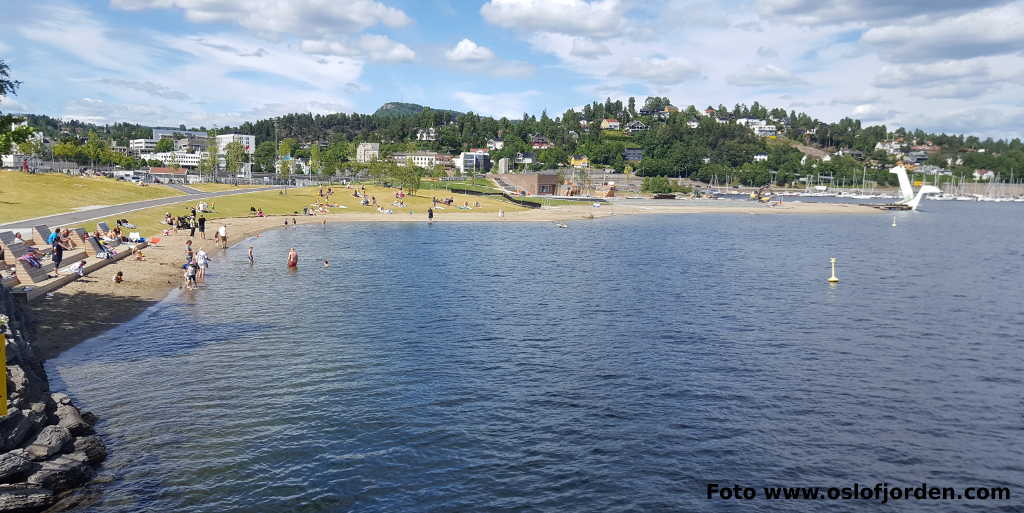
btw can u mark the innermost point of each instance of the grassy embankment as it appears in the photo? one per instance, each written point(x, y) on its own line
point(218, 187)
point(25, 196)
point(275, 203)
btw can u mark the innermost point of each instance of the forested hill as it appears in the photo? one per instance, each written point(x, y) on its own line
point(399, 109)
point(698, 142)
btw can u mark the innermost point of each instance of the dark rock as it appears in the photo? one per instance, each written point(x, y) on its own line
point(13, 465)
point(90, 418)
point(15, 427)
point(75, 500)
point(93, 448)
point(63, 472)
point(21, 498)
point(71, 419)
point(51, 440)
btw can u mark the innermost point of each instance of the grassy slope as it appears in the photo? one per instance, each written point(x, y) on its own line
point(218, 187)
point(274, 203)
point(24, 196)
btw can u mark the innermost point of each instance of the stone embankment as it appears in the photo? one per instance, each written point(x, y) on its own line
point(48, 448)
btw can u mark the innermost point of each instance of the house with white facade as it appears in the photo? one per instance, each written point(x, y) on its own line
point(367, 152)
point(610, 124)
point(424, 159)
point(426, 134)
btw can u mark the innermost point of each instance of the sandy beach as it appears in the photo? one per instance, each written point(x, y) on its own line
point(89, 306)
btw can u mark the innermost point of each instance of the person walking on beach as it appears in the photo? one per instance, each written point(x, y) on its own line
point(252, 258)
point(222, 236)
point(192, 225)
point(202, 227)
point(293, 259)
point(430, 215)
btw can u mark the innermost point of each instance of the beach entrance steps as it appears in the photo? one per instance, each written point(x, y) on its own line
point(25, 272)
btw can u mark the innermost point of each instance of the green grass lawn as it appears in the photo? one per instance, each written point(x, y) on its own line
point(149, 221)
point(218, 187)
point(25, 196)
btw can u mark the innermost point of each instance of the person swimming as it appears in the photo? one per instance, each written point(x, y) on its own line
point(326, 263)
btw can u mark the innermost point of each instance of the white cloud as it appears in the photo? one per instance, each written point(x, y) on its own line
point(658, 70)
point(513, 69)
point(297, 17)
point(585, 47)
point(468, 51)
point(923, 75)
point(873, 113)
point(508, 105)
point(768, 75)
point(993, 31)
point(814, 12)
point(598, 18)
point(767, 53)
point(372, 46)
point(8, 104)
point(151, 88)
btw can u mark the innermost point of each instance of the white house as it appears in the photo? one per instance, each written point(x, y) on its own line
point(495, 144)
point(424, 159)
point(693, 123)
point(636, 126)
point(426, 134)
point(761, 157)
point(984, 174)
point(367, 152)
point(765, 130)
point(610, 124)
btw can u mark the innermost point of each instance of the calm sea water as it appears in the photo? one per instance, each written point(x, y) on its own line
point(617, 365)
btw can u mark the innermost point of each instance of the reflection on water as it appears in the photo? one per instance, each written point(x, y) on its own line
point(619, 365)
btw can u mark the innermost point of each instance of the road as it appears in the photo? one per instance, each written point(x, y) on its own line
point(115, 210)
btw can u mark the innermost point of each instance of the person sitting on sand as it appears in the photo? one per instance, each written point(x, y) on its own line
point(140, 256)
point(18, 239)
point(79, 268)
point(119, 277)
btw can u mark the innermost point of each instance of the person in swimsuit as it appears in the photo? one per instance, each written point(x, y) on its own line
point(430, 215)
point(252, 258)
point(293, 258)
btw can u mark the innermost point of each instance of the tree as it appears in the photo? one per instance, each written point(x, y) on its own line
point(264, 156)
point(208, 164)
point(287, 146)
point(10, 135)
point(315, 164)
point(164, 145)
point(407, 177)
point(284, 168)
point(234, 156)
point(94, 148)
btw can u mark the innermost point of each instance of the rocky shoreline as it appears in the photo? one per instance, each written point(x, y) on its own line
point(48, 448)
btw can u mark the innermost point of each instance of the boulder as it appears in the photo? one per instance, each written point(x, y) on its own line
point(16, 426)
point(72, 420)
point(51, 440)
point(64, 472)
point(92, 446)
point(13, 465)
point(60, 398)
point(19, 498)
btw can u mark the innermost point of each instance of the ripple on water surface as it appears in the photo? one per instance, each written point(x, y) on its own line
point(620, 365)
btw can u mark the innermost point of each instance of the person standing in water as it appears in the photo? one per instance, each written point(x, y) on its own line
point(252, 258)
point(293, 259)
point(430, 215)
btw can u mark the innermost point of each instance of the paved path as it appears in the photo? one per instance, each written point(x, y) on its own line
point(182, 188)
point(114, 210)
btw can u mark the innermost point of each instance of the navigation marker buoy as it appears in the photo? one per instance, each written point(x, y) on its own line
point(894, 221)
point(833, 278)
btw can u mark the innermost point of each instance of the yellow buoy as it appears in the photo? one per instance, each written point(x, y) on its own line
point(833, 278)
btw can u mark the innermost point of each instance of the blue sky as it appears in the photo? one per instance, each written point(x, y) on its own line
point(940, 65)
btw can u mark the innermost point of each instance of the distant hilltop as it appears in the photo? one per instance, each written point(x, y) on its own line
point(399, 109)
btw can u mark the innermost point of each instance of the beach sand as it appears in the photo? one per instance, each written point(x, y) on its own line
point(90, 306)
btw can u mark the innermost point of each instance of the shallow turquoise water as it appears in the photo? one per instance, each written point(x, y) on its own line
point(618, 365)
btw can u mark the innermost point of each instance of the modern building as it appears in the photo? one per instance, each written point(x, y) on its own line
point(190, 144)
point(138, 146)
point(633, 154)
point(367, 152)
point(424, 159)
point(533, 184)
point(184, 159)
point(765, 130)
point(525, 157)
point(473, 162)
point(247, 141)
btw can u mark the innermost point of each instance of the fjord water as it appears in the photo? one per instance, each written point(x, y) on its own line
point(617, 365)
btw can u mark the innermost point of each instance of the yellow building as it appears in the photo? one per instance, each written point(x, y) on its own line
point(579, 161)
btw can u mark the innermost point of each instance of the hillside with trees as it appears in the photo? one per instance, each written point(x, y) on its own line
point(700, 143)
